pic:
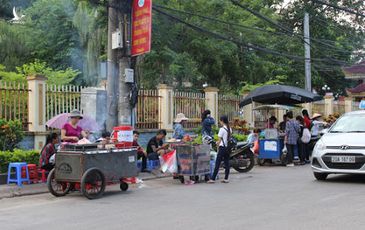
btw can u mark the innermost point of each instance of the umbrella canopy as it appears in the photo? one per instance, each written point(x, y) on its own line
point(283, 94)
point(87, 123)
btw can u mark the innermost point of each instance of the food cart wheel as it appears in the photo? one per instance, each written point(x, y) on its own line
point(261, 162)
point(182, 180)
point(195, 178)
point(124, 186)
point(93, 183)
point(57, 188)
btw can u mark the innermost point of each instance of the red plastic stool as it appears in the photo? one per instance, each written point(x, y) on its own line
point(33, 173)
point(43, 173)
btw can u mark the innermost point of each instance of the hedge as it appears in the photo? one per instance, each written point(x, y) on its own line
point(18, 155)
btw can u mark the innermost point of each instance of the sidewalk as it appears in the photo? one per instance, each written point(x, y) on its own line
point(12, 190)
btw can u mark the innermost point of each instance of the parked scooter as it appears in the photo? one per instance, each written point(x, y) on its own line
point(241, 157)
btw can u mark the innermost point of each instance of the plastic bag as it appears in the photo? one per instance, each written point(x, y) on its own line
point(284, 151)
point(306, 137)
point(169, 162)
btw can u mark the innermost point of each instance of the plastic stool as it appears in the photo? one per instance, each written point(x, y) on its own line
point(33, 173)
point(139, 165)
point(18, 171)
point(153, 164)
point(43, 172)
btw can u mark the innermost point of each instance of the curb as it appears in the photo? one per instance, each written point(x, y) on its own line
point(14, 194)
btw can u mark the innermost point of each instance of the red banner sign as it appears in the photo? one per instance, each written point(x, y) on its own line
point(141, 26)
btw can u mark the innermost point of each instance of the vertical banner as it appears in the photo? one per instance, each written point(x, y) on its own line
point(141, 26)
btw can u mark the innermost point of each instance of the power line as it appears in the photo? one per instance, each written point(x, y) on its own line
point(247, 45)
point(291, 35)
point(339, 8)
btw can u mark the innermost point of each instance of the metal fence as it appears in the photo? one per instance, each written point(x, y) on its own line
point(318, 107)
point(14, 102)
point(190, 104)
point(148, 110)
point(339, 107)
point(355, 106)
point(62, 99)
point(229, 105)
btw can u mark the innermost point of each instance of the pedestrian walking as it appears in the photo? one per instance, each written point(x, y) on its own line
point(302, 149)
point(207, 123)
point(292, 130)
point(224, 134)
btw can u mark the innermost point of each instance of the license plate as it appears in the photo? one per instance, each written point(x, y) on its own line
point(343, 159)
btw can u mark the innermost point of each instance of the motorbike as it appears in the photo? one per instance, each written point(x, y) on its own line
point(241, 157)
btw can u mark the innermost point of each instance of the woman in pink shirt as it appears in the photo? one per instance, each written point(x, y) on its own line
point(70, 131)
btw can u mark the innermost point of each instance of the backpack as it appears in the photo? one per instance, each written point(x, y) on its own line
point(306, 136)
point(232, 142)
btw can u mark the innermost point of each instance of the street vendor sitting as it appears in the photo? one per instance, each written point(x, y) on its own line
point(179, 131)
point(141, 154)
point(156, 147)
point(272, 122)
point(48, 151)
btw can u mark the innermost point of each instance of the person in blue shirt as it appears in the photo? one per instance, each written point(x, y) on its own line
point(207, 123)
point(179, 131)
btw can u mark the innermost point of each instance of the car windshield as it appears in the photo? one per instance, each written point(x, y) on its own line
point(350, 124)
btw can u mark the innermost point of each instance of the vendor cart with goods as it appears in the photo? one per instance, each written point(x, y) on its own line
point(192, 161)
point(89, 169)
point(271, 146)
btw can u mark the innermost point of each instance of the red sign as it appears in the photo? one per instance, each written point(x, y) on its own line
point(141, 26)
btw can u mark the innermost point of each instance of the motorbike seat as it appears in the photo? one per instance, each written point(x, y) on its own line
point(242, 144)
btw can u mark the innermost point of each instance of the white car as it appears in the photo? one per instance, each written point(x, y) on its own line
point(341, 150)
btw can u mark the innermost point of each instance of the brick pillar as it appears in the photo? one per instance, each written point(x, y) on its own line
point(348, 104)
point(37, 108)
point(328, 105)
point(211, 101)
point(166, 106)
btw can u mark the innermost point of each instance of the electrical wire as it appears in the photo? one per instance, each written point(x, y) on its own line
point(246, 45)
point(339, 8)
point(255, 28)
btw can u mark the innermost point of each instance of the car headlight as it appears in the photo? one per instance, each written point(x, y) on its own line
point(319, 147)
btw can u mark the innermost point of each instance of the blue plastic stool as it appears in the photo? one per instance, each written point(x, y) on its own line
point(18, 173)
point(139, 165)
point(153, 164)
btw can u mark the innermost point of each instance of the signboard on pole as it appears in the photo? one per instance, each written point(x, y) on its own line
point(141, 27)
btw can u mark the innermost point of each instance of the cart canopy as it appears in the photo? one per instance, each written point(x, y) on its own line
point(280, 94)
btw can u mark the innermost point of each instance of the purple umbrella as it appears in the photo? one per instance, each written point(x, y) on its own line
point(87, 123)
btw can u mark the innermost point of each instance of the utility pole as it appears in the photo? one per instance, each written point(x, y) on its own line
point(125, 109)
point(307, 53)
point(118, 106)
point(112, 69)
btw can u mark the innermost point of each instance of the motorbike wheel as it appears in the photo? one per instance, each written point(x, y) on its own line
point(249, 157)
point(182, 180)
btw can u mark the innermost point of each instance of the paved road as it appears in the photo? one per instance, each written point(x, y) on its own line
point(266, 198)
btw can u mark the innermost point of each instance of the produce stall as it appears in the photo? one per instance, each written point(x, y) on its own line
point(193, 161)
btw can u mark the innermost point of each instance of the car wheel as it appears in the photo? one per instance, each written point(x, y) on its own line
point(320, 176)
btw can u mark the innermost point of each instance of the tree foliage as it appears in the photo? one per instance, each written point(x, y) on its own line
point(72, 33)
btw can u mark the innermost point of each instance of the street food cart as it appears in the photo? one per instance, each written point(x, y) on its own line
point(272, 143)
point(89, 169)
point(193, 161)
